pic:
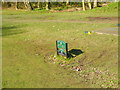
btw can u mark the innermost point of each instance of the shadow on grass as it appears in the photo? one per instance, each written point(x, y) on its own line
point(74, 52)
point(6, 31)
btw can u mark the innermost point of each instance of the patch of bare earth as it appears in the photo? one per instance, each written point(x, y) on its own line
point(66, 21)
point(103, 18)
point(68, 10)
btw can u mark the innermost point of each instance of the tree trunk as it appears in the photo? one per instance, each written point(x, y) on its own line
point(38, 4)
point(47, 5)
point(95, 3)
point(25, 3)
point(3, 1)
point(29, 5)
point(83, 5)
point(67, 2)
point(16, 6)
point(89, 4)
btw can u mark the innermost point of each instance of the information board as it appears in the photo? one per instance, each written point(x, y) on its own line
point(62, 48)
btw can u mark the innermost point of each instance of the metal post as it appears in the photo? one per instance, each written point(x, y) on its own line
point(56, 47)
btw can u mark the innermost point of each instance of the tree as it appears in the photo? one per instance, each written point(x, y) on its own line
point(95, 3)
point(3, 1)
point(67, 2)
point(16, 6)
point(25, 3)
point(47, 5)
point(83, 5)
point(89, 4)
point(28, 4)
point(38, 4)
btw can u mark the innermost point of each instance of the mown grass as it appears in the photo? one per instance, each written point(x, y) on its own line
point(29, 46)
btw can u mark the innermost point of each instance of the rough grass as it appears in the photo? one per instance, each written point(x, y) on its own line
point(29, 48)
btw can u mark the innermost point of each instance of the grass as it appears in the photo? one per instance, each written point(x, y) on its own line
point(29, 46)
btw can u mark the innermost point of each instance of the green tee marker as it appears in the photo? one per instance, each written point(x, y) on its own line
point(62, 48)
